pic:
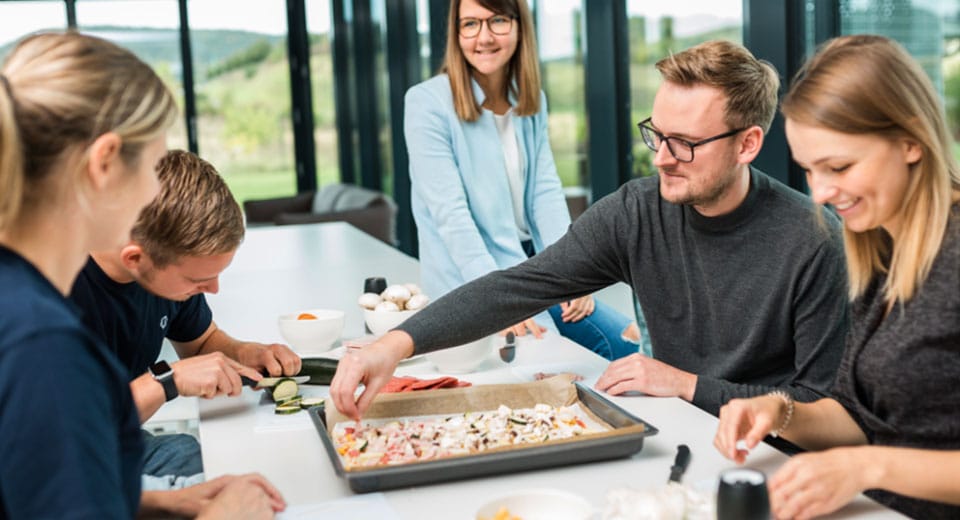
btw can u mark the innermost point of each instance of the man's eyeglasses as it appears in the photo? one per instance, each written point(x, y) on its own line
point(498, 24)
point(680, 149)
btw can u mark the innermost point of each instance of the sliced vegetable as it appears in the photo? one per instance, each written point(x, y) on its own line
point(287, 410)
point(295, 400)
point(310, 402)
point(284, 389)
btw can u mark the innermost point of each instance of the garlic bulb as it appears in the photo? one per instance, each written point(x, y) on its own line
point(417, 301)
point(369, 300)
point(387, 306)
point(397, 294)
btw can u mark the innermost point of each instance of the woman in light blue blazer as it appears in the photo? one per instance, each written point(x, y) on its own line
point(486, 194)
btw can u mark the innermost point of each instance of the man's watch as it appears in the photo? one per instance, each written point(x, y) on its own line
point(163, 373)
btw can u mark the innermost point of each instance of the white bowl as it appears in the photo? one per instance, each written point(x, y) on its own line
point(539, 504)
point(380, 322)
point(311, 336)
point(462, 359)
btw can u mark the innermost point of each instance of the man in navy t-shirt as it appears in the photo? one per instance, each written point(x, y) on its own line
point(153, 288)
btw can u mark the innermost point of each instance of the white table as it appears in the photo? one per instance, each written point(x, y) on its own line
point(284, 269)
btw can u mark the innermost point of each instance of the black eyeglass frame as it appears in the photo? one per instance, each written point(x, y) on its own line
point(643, 126)
point(484, 21)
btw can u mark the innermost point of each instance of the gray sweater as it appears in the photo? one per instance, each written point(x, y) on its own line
point(749, 301)
point(898, 377)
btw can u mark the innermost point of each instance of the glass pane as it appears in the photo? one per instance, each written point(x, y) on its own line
point(560, 43)
point(378, 12)
point(423, 29)
point(321, 76)
point(17, 19)
point(658, 28)
point(927, 29)
point(151, 30)
point(243, 94)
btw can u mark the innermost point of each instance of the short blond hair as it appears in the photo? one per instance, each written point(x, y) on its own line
point(900, 103)
point(523, 75)
point(194, 214)
point(749, 85)
point(58, 93)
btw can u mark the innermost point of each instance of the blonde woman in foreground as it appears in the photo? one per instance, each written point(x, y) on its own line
point(82, 125)
point(865, 123)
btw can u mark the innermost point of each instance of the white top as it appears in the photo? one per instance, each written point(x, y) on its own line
point(514, 166)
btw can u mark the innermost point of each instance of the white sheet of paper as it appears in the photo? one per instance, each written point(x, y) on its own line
point(357, 507)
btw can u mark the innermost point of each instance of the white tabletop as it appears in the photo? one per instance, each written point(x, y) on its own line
point(284, 269)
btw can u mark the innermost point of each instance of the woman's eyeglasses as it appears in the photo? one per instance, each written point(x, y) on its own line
point(498, 24)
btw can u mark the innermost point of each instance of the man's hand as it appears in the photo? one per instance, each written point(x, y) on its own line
point(578, 309)
point(276, 359)
point(248, 496)
point(520, 329)
point(643, 374)
point(372, 366)
point(210, 375)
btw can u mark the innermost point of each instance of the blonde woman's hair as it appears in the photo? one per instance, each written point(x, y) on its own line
point(523, 71)
point(58, 93)
point(193, 215)
point(750, 85)
point(867, 84)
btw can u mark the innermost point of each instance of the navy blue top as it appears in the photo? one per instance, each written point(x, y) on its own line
point(133, 321)
point(70, 442)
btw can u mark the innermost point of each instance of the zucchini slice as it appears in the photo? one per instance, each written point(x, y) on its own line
point(310, 402)
point(284, 389)
point(287, 409)
point(293, 401)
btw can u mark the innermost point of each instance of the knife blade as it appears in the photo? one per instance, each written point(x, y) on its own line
point(680, 463)
point(270, 381)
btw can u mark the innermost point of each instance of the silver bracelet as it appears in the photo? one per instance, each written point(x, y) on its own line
point(788, 401)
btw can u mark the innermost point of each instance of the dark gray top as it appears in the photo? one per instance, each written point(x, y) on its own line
point(751, 300)
point(898, 377)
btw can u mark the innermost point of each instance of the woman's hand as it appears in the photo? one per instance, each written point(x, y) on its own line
point(520, 329)
point(373, 366)
point(814, 484)
point(749, 420)
point(577, 309)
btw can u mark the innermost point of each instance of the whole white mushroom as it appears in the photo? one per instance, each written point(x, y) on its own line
point(417, 301)
point(387, 306)
point(413, 288)
point(397, 294)
point(369, 300)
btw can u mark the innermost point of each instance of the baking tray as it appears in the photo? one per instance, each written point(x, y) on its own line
point(609, 445)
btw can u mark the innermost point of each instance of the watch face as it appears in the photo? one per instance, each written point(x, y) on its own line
point(159, 368)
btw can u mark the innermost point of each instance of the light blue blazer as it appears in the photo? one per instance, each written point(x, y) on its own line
point(460, 193)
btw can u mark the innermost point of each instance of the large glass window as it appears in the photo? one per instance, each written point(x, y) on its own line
point(17, 19)
point(321, 77)
point(658, 28)
point(242, 83)
point(560, 32)
point(928, 29)
point(149, 29)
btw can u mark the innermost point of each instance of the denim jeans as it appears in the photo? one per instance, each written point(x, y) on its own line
point(177, 455)
point(601, 332)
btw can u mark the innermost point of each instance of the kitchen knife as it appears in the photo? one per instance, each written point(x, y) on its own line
point(680, 463)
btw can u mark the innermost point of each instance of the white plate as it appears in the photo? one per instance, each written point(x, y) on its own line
point(539, 504)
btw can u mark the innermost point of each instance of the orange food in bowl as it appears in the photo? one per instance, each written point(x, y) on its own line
point(306, 316)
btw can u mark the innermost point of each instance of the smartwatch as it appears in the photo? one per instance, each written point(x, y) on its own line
point(163, 374)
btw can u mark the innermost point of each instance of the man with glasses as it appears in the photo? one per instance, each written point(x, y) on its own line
point(741, 279)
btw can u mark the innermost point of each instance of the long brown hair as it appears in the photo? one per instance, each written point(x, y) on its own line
point(58, 93)
point(865, 84)
point(523, 76)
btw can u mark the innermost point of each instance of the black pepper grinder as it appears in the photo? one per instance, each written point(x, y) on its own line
point(375, 285)
point(742, 495)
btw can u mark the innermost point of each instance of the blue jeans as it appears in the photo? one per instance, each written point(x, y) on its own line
point(177, 455)
point(601, 332)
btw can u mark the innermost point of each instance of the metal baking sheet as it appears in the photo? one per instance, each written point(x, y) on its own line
point(535, 456)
